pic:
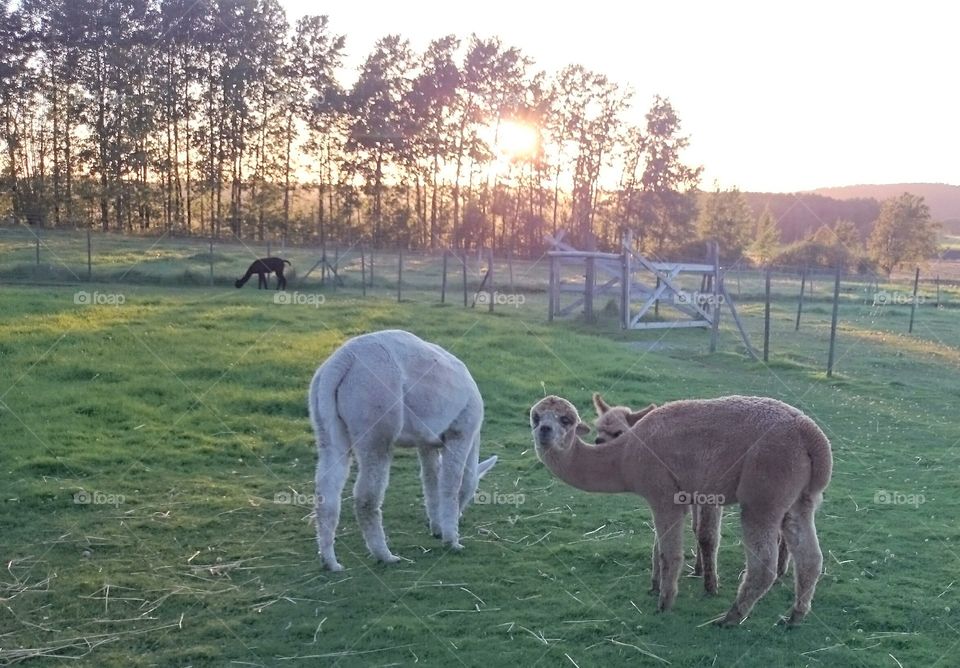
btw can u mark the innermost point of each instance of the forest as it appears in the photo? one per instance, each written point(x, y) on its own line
point(221, 118)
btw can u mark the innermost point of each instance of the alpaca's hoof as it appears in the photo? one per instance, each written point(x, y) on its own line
point(454, 545)
point(332, 566)
point(654, 590)
point(665, 603)
point(732, 618)
point(711, 588)
point(793, 620)
point(388, 558)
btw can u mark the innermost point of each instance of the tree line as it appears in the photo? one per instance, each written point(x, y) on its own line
point(220, 118)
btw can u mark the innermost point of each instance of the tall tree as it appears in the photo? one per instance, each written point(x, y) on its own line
point(658, 198)
point(314, 95)
point(432, 99)
point(766, 238)
point(726, 218)
point(590, 109)
point(381, 122)
point(17, 83)
point(904, 232)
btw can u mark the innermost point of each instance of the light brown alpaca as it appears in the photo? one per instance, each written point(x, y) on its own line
point(760, 453)
point(611, 422)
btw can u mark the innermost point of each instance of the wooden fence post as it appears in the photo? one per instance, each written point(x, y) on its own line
point(211, 261)
point(463, 263)
point(400, 275)
point(913, 302)
point(715, 313)
point(833, 323)
point(625, 289)
point(491, 289)
point(443, 282)
point(589, 283)
point(803, 281)
point(363, 270)
point(766, 316)
point(323, 263)
point(89, 258)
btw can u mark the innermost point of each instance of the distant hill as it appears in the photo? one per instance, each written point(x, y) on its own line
point(943, 199)
point(799, 215)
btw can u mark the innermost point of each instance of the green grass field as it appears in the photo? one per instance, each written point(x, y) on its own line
point(157, 464)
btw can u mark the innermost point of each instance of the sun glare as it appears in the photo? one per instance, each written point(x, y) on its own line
point(516, 139)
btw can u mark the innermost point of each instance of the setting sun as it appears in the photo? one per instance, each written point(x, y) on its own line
point(516, 139)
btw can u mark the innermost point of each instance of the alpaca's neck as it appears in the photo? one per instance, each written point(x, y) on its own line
point(592, 468)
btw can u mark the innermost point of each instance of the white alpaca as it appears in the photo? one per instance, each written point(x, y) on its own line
point(392, 388)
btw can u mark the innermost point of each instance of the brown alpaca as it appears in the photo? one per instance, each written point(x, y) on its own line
point(611, 422)
point(760, 453)
point(263, 268)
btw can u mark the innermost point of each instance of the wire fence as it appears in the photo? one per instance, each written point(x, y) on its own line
point(776, 305)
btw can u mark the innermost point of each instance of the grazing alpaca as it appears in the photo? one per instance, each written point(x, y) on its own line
point(389, 389)
point(761, 453)
point(263, 268)
point(611, 422)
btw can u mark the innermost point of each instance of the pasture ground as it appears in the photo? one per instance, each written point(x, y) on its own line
point(157, 471)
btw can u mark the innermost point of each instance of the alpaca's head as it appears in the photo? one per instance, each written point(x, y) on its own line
point(238, 283)
point(612, 421)
point(555, 423)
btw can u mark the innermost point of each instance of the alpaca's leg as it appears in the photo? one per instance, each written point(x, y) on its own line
point(261, 282)
point(452, 464)
point(669, 523)
point(655, 567)
point(281, 281)
point(471, 475)
point(800, 535)
point(708, 541)
point(783, 555)
point(695, 524)
point(760, 533)
point(429, 475)
point(373, 476)
point(333, 467)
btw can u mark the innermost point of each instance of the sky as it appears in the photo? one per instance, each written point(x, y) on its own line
point(774, 97)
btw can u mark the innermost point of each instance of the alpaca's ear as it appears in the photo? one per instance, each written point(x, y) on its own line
point(582, 429)
point(485, 466)
point(635, 417)
point(601, 405)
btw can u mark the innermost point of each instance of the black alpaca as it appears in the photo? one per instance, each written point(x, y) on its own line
point(263, 268)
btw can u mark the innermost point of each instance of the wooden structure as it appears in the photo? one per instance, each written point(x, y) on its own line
point(642, 285)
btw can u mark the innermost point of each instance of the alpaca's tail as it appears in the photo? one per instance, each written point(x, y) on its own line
point(820, 453)
point(322, 401)
point(287, 262)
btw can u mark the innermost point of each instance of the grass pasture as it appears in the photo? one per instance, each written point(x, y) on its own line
point(157, 466)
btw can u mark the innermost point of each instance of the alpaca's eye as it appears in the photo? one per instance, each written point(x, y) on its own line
point(616, 434)
point(565, 421)
point(536, 419)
